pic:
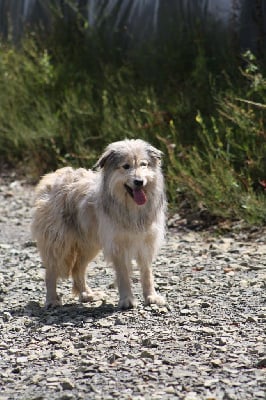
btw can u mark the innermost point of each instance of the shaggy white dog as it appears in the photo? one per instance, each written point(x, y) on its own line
point(119, 208)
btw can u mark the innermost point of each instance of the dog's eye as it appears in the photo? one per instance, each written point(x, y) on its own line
point(144, 163)
point(126, 166)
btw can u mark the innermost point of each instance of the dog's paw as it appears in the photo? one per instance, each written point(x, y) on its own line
point(53, 303)
point(86, 297)
point(126, 303)
point(89, 296)
point(155, 299)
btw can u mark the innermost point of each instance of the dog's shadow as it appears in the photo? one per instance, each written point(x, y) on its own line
point(74, 313)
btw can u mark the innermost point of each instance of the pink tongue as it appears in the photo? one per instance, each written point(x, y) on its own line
point(139, 197)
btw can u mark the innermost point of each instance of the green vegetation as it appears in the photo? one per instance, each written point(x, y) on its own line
point(64, 98)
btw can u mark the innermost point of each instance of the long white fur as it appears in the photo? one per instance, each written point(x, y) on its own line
point(79, 212)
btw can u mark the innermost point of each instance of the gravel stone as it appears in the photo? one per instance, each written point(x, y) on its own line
point(208, 342)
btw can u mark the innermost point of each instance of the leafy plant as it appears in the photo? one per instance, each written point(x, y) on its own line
point(225, 173)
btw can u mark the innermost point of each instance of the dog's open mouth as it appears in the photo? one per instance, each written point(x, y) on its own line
point(137, 194)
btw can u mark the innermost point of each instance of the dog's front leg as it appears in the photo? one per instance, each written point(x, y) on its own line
point(147, 281)
point(126, 299)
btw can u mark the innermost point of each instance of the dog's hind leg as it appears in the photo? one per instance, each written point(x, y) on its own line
point(52, 298)
point(80, 287)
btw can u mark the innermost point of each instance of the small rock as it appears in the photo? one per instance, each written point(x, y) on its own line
point(204, 304)
point(67, 384)
point(57, 354)
point(6, 316)
point(120, 321)
point(251, 318)
point(261, 363)
point(147, 342)
point(22, 360)
point(55, 339)
point(114, 357)
point(210, 382)
point(5, 246)
point(87, 337)
point(67, 396)
point(105, 323)
point(185, 311)
point(170, 390)
point(36, 378)
point(147, 354)
point(29, 243)
point(192, 396)
point(216, 362)
point(198, 268)
point(221, 341)
point(207, 331)
point(52, 379)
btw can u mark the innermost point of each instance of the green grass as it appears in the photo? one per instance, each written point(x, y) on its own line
point(61, 104)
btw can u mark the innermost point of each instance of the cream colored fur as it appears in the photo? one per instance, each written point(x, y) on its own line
point(119, 208)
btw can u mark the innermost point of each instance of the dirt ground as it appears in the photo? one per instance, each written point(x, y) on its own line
point(207, 343)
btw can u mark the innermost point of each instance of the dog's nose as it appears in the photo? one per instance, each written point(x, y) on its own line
point(138, 182)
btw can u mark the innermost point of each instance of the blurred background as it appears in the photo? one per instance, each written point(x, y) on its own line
point(187, 76)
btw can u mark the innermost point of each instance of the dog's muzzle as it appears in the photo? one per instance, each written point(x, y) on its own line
point(137, 193)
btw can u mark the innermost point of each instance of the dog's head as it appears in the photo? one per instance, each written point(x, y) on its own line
point(131, 168)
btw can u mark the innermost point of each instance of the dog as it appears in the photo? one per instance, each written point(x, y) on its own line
point(119, 207)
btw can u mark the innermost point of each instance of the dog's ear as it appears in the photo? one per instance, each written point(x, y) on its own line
point(154, 153)
point(107, 155)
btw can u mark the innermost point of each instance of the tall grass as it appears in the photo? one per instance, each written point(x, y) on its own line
point(64, 98)
point(225, 173)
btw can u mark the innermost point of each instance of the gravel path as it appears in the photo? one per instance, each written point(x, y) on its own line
point(208, 343)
